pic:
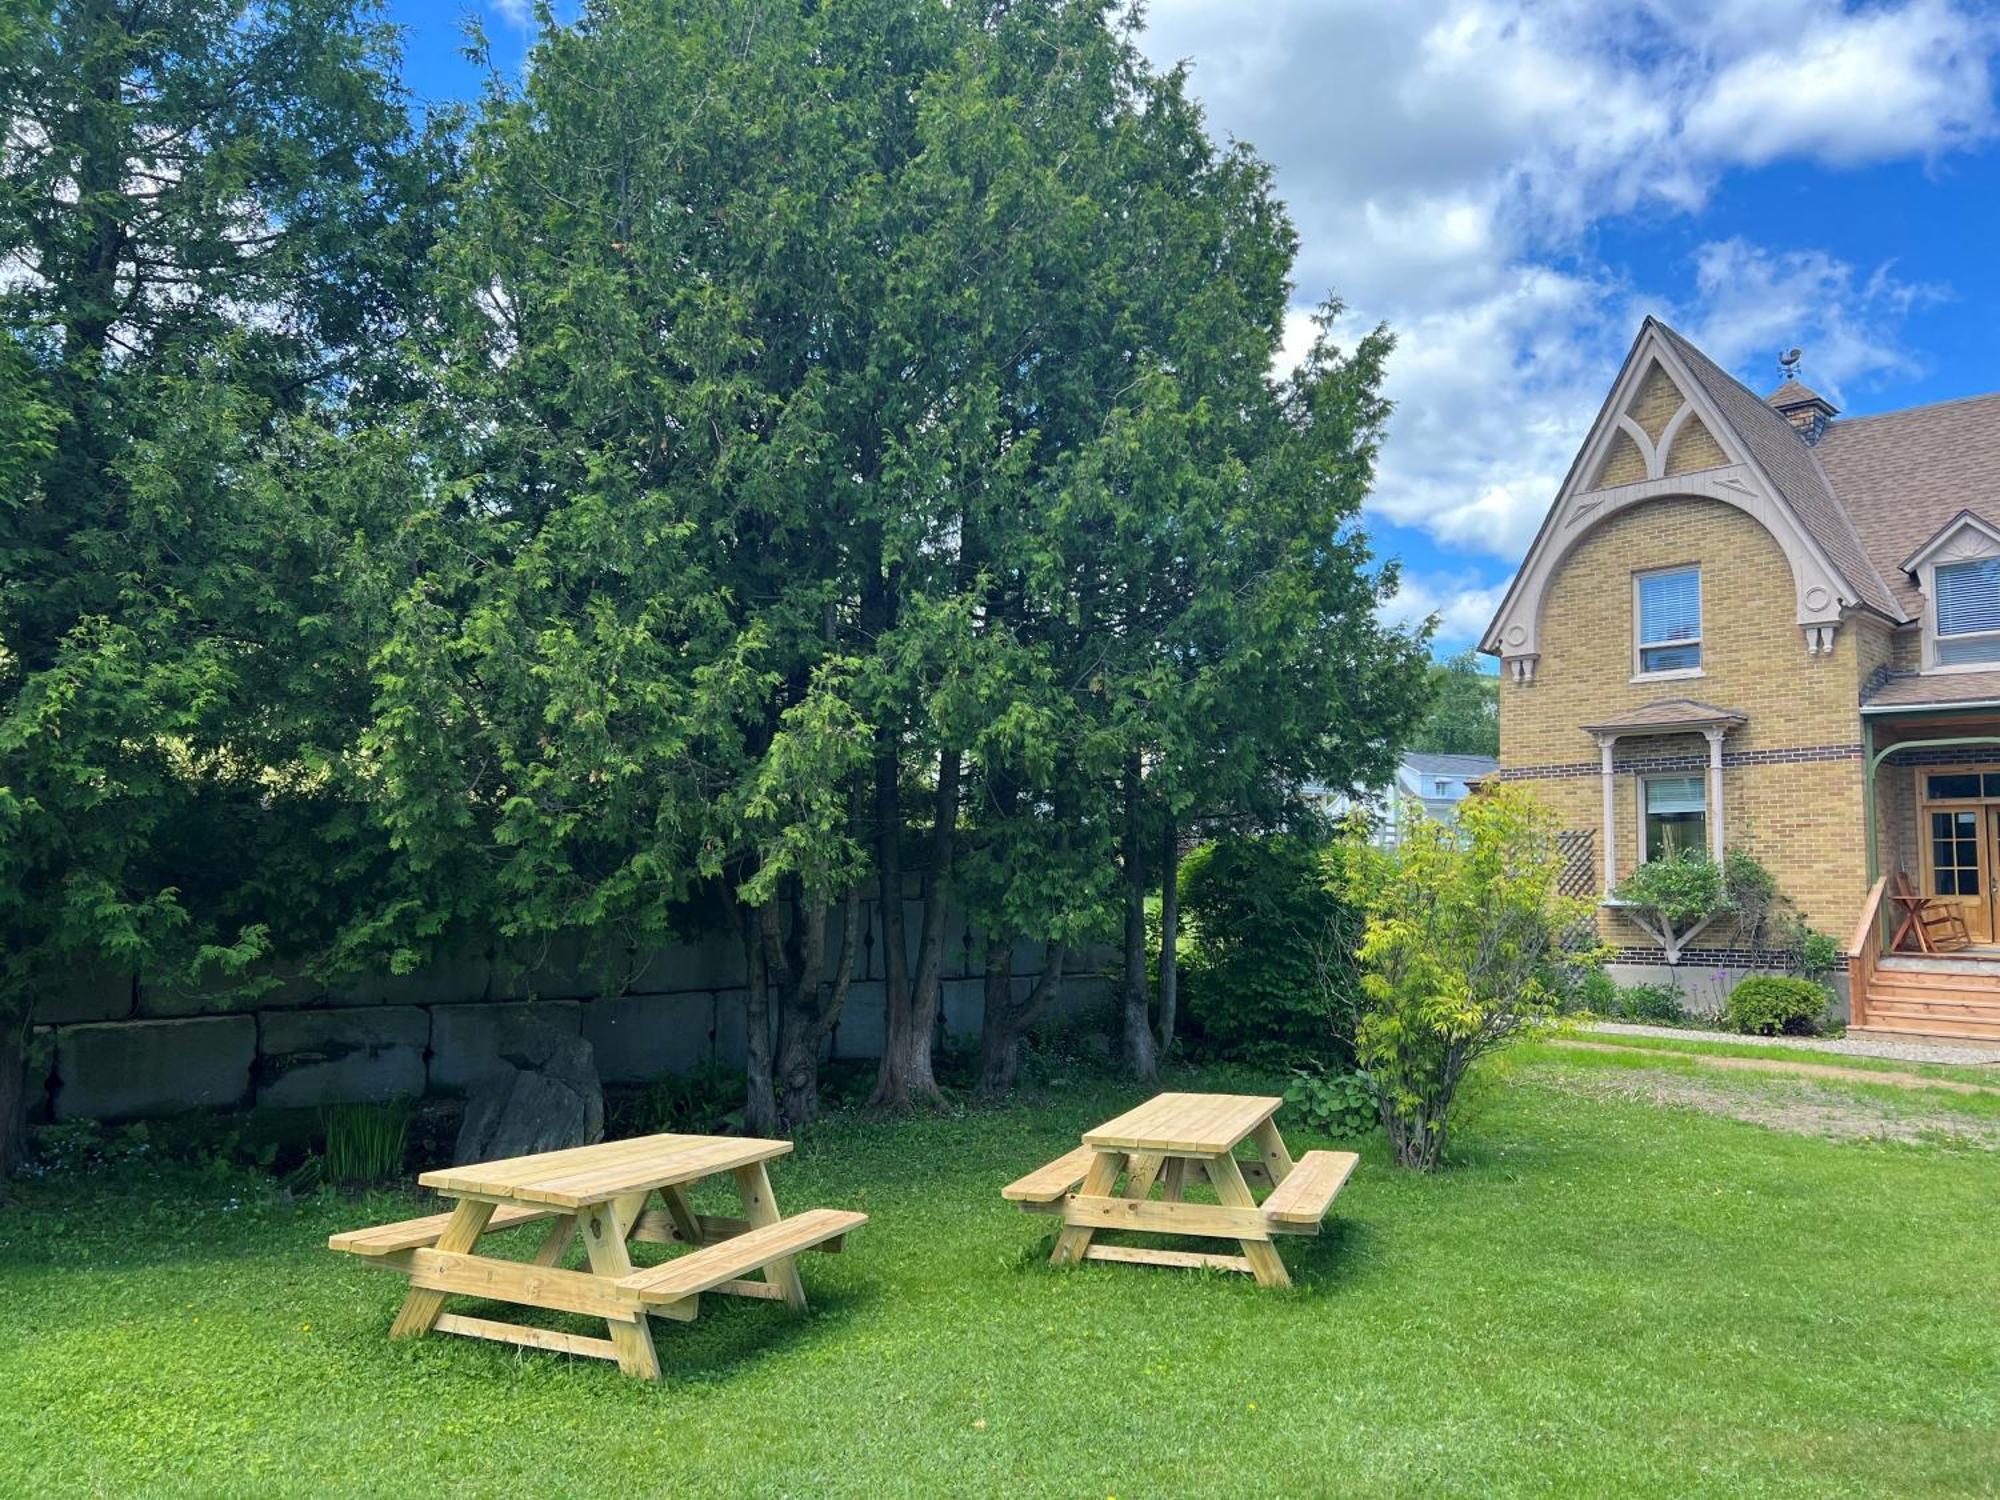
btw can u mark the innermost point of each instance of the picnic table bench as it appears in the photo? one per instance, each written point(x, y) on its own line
point(1162, 1143)
point(600, 1195)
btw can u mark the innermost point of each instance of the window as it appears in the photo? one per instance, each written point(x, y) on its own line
point(1669, 611)
point(1968, 611)
point(1955, 853)
point(1676, 815)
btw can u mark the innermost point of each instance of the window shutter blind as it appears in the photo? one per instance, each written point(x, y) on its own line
point(1968, 596)
point(1670, 606)
point(1675, 794)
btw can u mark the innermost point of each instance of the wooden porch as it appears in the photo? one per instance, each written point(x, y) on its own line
point(1952, 995)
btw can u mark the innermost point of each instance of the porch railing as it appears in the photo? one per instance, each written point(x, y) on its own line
point(1863, 953)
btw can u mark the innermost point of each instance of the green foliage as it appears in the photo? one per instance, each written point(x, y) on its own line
point(1263, 926)
point(1462, 928)
point(1464, 716)
point(706, 1100)
point(1648, 1002)
point(1594, 991)
point(1775, 1005)
point(365, 1143)
point(1339, 1103)
point(1678, 889)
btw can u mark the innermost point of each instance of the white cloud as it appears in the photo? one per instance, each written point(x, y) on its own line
point(1463, 608)
point(1447, 160)
point(519, 14)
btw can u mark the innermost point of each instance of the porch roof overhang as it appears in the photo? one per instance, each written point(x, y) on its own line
point(1918, 692)
point(1669, 716)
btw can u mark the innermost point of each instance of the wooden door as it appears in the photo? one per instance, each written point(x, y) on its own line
point(1958, 864)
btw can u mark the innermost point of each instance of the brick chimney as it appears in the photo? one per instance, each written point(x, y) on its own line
point(1804, 408)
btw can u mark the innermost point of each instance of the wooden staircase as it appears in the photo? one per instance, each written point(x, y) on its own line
point(1956, 995)
point(1908, 995)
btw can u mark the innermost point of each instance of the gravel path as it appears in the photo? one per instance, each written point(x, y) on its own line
point(1970, 1053)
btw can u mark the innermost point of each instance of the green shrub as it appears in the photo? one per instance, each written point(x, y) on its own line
point(1594, 991)
point(1266, 940)
point(365, 1143)
point(1648, 1002)
point(1771, 1005)
point(1339, 1104)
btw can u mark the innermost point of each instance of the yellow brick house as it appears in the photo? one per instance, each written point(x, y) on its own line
point(1749, 623)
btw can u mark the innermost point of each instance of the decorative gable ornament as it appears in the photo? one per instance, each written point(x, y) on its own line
point(1660, 435)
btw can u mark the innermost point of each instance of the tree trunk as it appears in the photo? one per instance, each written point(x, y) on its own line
point(1141, 1058)
point(760, 1100)
point(1170, 931)
point(13, 1097)
point(1005, 1023)
point(906, 1078)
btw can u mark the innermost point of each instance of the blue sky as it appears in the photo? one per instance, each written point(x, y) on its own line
point(1511, 186)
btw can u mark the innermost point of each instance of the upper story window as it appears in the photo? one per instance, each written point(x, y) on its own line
point(1668, 607)
point(1968, 611)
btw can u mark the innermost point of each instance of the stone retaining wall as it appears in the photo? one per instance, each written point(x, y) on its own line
point(110, 1046)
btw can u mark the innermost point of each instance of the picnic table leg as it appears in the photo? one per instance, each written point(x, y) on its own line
point(1097, 1183)
point(1271, 1145)
point(555, 1244)
point(760, 1207)
point(1141, 1173)
point(686, 1225)
point(1234, 1192)
point(1176, 1179)
point(419, 1312)
point(604, 1242)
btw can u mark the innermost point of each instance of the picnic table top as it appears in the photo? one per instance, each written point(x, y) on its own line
point(584, 1175)
point(1198, 1124)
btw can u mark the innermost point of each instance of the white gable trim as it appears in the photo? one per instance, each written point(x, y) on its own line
point(1964, 538)
point(1821, 595)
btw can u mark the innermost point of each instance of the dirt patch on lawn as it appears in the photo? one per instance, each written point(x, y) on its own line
point(1797, 1108)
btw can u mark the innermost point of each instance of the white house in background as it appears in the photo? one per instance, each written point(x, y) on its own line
point(1436, 783)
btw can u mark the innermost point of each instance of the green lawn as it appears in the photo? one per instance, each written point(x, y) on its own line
point(1604, 1297)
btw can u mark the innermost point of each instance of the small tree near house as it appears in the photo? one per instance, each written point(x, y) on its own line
point(1461, 941)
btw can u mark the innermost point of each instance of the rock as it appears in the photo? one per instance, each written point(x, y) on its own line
point(362, 1054)
point(542, 1095)
point(127, 1069)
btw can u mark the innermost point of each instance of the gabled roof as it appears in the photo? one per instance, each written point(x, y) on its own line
point(1464, 767)
point(1776, 448)
point(1666, 715)
point(1903, 476)
point(1944, 533)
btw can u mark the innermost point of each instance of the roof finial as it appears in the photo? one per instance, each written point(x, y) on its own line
point(1788, 363)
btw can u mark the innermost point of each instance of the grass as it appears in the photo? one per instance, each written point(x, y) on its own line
point(1602, 1297)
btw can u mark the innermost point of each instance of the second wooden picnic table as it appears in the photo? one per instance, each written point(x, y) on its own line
point(1162, 1143)
point(598, 1194)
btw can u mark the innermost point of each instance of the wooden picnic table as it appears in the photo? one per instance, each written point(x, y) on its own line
point(599, 1194)
point(1165, 1142)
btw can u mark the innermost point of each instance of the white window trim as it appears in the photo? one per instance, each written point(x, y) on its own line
point(1707, 808)
point(1639, 650)
point(1968, 543)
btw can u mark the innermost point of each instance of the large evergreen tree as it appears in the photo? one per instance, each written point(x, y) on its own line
point(210, 215)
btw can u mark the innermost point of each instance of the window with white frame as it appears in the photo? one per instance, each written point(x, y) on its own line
point(1675, 814)
point(1968, 611)
point(1668, 607)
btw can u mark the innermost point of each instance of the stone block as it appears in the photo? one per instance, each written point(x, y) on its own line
point(963, 1003)
point(639, 1037)
point(85, 992)
point(729, 1028)
point(460, 973)
point(859, 1033)
point(130, 1069)
point(469, 1042)
point(360, 1054)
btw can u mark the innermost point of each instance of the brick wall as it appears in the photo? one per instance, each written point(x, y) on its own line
point(1792, 774)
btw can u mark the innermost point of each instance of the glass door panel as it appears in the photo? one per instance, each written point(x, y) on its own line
point(1957, 867)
